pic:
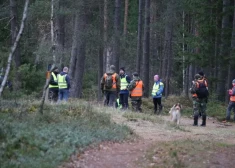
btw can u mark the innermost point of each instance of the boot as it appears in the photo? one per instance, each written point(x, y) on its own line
point(203, 121)
point(195, 123)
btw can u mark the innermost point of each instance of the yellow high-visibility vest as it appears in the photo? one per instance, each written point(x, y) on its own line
point(55, 79)
point(62, 82)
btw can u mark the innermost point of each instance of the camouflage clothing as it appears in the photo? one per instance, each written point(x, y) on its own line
point(199, 106)
point(135, 101)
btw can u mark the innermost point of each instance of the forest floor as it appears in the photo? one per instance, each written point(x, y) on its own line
point(159, 143)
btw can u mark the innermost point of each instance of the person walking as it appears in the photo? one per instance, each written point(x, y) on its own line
point(200, 94)
point(124, 93)
point(110, 86)
point(64, 84)
point(231, 104)
point(136, 88)
point(53, 85)
point(157, 90)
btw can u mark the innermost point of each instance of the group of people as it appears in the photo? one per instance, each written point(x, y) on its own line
point(118, 87)
point(59, 85)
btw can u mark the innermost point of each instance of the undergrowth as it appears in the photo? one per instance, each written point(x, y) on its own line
point(28, 139)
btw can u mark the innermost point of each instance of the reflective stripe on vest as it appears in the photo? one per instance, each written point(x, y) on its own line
point(156, 88)
point(62, 82)
point(138, 90)
point(114, 80)
point(124, 83)
point(55, 79)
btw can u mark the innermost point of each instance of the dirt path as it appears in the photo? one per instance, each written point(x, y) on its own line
point(133, 154)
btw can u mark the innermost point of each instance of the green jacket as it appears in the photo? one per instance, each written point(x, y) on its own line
point(102, 82)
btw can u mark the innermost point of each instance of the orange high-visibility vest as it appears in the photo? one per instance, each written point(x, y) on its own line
point(138, 90)
point(114, 80)
point(232, 98)
point(197, 85)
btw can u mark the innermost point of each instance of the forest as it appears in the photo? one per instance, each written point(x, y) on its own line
point(175, 39)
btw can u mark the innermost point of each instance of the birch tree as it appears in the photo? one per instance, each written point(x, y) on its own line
point(13, 48)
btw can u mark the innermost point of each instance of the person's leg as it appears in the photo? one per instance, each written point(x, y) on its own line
point(139, 105)
point(155, 105)
point(134, 104)
point(195, 112)
point(56, 92)
point(106, 99)
point(234, 111)
point(229, 108)
point(159, 102)
point(125, 100)
point(203, 111)
point(66, 94)
point(121, 99)
point(112, 99)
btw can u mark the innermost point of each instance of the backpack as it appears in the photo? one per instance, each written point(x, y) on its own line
point(109, 81)
point(201, 90)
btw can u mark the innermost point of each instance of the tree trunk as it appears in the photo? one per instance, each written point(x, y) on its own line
point(146, 47)
point(100, 57)
point(13, 48)
point(14, 30)
point(221, 87)
point(139, 42)
point(117, 26)
point(60, 33)
point(78, 52)
point(125, 17)
point(231, 61)
point(105, 36)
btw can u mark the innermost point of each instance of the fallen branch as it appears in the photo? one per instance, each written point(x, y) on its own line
point(13, 48)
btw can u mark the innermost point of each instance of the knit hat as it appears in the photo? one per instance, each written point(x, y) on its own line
point(122, 68)
point(233, 81)
point(135, 74)
point(112, 68)
point(197, 76)
point(201, 73)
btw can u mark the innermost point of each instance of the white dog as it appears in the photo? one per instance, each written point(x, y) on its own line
point(175, 113)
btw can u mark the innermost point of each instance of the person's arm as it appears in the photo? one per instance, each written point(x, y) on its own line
point(102, 83)
point(160, 90)
point(128, 79)
point(194, 88)
point(118, 82)
point(68, 81)
point(131, 86)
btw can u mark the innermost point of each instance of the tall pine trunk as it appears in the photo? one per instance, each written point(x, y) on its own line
point(105, 37)
point(146, 47)
point(139, 40)
point(77, 61)
point(125, 17)
point(221, 87)
point(101, 51)
point(117, 26)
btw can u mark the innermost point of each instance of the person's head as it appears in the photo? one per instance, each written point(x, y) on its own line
point(55, 69)
point(122, 71)
point(201, 73)
point(233, 82)
point(197, 77)
point(135, 74)
point(112, 68)
point(156, 78)
point(65, 69)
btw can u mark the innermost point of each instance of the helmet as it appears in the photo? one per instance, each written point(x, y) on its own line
point(197, 76)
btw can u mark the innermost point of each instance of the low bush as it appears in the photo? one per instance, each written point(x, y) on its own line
point(28, 139)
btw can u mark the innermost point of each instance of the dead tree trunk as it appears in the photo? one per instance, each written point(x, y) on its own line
point(13, 48)
point(139, 42)
point(146, 47)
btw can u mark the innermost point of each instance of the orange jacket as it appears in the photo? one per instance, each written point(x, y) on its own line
point(197, 83)
point(138, 90)
point(232, 96)
point(114, 80)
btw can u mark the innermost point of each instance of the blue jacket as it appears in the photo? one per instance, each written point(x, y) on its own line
point(128, 79)
point(67, 79)
point(160, 90)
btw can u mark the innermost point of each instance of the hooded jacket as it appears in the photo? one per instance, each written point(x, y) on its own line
point(132, 85)
point(160, 89)
point(102, 82)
